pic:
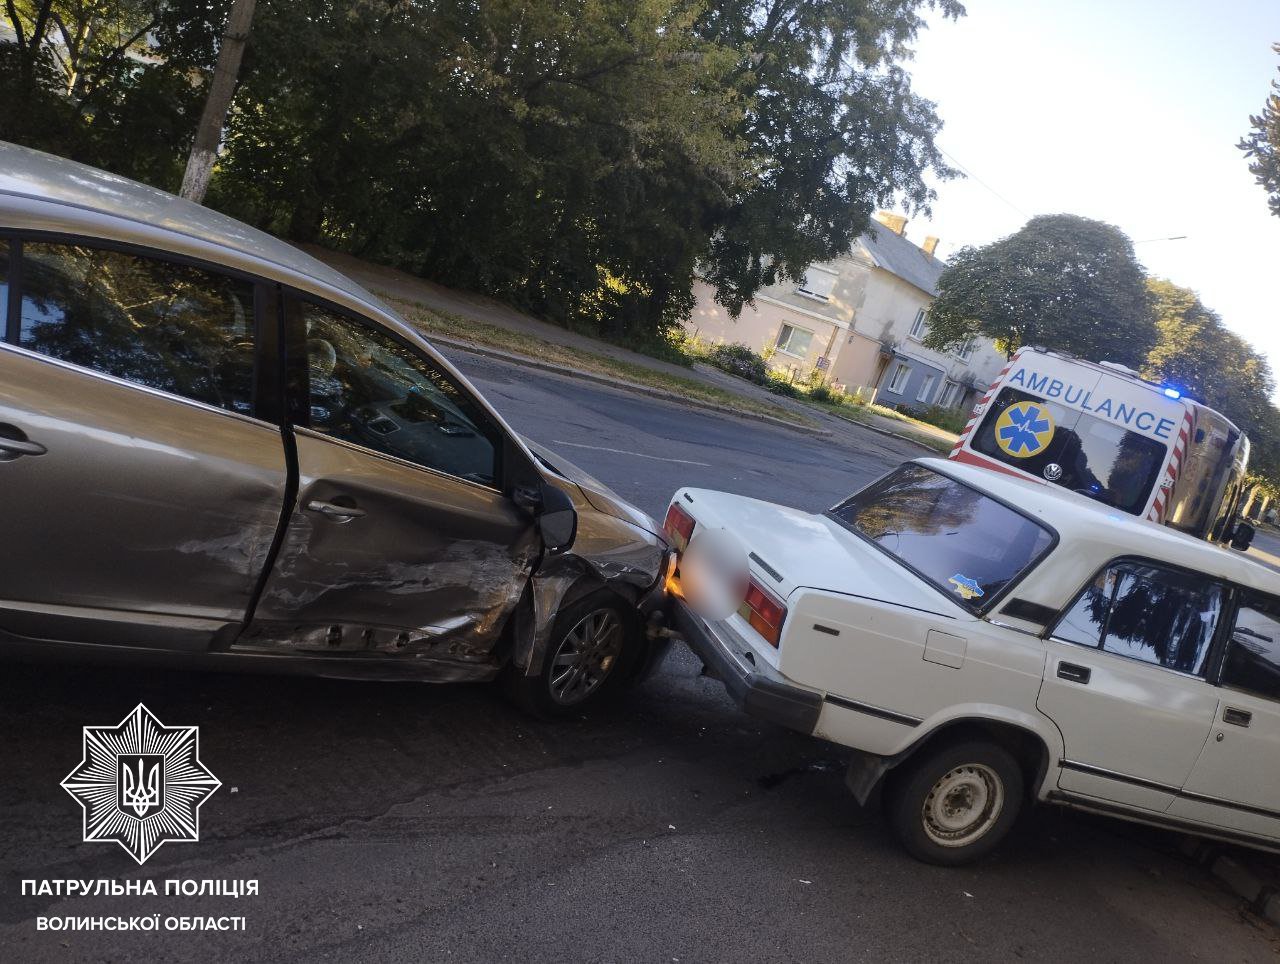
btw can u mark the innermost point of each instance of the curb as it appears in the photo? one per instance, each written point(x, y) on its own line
point(1263, 899)
point(527, 362)
point(884, 431)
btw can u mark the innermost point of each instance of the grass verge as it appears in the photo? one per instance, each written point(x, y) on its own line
point(446, 324)
point(862, 415)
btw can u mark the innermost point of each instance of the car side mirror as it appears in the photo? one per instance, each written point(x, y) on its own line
point(557, 520)
point(1242, 538)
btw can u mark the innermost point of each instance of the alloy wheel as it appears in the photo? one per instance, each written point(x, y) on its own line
point(586, 655)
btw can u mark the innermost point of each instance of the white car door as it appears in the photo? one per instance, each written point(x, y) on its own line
point(1234, 784)
point(1124, 682)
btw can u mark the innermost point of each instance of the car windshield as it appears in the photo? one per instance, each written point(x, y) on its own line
point(1088, 455)
point(968, 545)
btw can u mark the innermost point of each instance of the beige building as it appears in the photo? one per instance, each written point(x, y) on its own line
point(861, 320)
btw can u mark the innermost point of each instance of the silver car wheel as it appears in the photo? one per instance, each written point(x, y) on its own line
point(586, 655)
point(963, 805)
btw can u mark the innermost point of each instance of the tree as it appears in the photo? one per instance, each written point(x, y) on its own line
point(1061, 282)
point(581, 157)
point(1197, 353)
point(1262, 145)
point(831, 132)
point(222, 87)
point(107, 82)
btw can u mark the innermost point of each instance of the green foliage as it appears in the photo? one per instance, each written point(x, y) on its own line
point(574, 157)
point(739, 360)
point(831, 131)
point(1062, 282)
point(1199, 354)
point(1262, 145)
point(107, 82)
point(781, 384)
point(945, 418)
point(822, 391)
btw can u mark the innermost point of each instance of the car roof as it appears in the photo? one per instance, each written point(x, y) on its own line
point(39, 191)
point(1098, 532)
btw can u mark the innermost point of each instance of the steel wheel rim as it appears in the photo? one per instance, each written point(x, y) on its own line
point(963, 805)
point(586, 655)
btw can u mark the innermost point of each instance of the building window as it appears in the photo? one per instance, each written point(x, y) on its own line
point(951, 393)
point(794, 341)
point(818, 283)
point(920, 326)
point(898, 380)
point(926, 388)
point(965, 351)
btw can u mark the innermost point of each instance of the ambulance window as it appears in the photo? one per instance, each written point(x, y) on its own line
point(1080, 452)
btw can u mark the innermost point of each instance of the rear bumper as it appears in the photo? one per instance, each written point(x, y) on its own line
point(758, 690)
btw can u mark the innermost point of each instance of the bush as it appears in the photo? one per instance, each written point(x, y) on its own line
point(823, 392)
point(945, 418)
point(741, 361)
point(781, 385)
point(673, 345)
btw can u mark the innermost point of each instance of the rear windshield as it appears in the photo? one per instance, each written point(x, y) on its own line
point(1089, 455)
point(968, 545)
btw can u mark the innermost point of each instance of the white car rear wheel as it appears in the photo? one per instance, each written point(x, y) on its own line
point(954, 804)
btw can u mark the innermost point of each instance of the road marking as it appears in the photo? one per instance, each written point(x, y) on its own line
point(639, 455)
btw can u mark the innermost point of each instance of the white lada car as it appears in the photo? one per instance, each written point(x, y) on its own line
point(982, 642)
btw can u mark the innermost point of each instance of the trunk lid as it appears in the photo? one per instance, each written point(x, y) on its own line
point(789, 549)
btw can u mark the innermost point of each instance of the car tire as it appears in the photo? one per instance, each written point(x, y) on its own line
point(955, 804)
point(592, 654)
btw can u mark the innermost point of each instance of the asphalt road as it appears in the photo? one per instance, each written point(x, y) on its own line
point(416, 823)
point(1266, 547)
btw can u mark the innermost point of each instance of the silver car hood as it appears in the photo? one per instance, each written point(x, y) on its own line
point(598, 495)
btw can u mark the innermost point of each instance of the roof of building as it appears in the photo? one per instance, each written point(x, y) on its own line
point(75, 198)
point(899, 256)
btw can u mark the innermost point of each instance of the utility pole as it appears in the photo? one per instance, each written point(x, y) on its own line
point(222, 87)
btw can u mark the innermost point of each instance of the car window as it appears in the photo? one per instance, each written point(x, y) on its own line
point(4, 287)
point(368, 388)
point(1253, 654)
point(168, 326)
point(967, 544)
point(1146, 612)
point(1088, 455)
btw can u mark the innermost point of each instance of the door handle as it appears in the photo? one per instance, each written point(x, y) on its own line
point(1236, 717)
point(19, 446)
point(1074, 673)
point(331, 510)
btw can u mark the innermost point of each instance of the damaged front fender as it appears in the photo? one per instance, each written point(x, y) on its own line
point(608, 553)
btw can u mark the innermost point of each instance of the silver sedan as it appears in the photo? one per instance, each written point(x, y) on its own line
point(216, 450)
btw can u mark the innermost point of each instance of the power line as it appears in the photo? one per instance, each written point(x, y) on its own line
point(984, 184)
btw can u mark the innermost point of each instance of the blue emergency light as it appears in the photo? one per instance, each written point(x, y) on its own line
point(1172, 393)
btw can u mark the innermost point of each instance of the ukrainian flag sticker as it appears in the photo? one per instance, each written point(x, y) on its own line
point(1024, 429)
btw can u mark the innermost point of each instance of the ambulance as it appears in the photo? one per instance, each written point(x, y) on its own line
point(1102, 431)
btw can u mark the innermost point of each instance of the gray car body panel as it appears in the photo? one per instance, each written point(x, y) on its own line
point(429, 598)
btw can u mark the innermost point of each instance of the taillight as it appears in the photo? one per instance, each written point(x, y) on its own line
point(763, 612)
point(679, 527)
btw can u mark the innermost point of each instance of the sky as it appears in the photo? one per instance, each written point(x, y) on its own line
point(1127, 111)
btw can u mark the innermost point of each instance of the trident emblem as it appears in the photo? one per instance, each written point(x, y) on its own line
point(141, 783)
